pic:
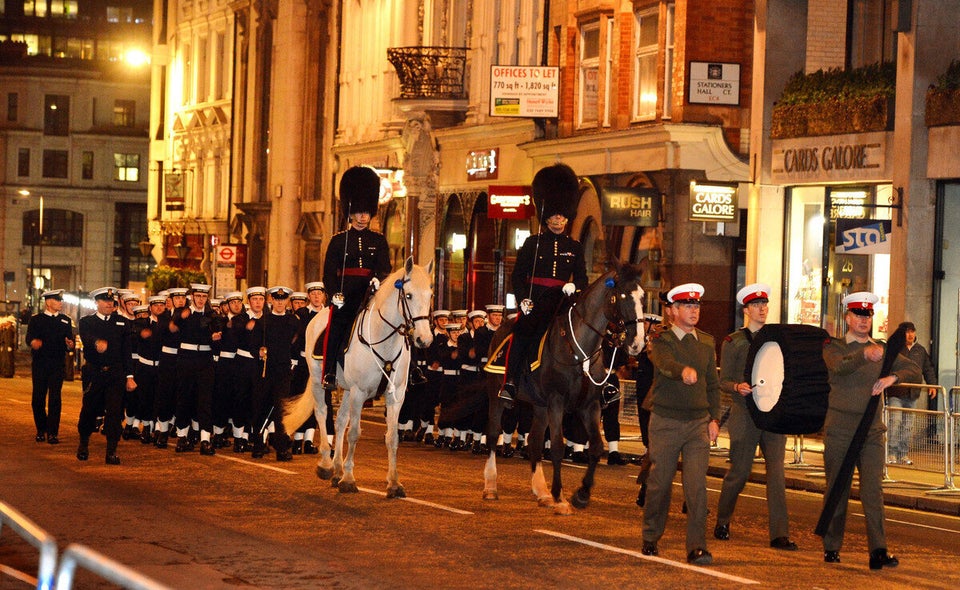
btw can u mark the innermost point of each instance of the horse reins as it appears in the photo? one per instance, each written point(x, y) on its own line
point(615, 336)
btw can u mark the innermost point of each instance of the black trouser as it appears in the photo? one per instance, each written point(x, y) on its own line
point(47, 374)
point(267, 397)
point(195, 391)
point(529, 329)
point(102, 395)
point(146, 377)
point(335, 339)
point(430, 398)
point(240, 401)
point(225, 377)
point(166, 397)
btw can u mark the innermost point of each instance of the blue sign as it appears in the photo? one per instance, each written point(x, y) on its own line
point(863, 236)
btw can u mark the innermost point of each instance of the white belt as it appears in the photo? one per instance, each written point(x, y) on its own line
point(468, 368)
point(227, 355)
point(244, 354)
point(134, 356)
point(483, 360)
point(169, 350)
point(197, 347)
point(451, 372)
point(148, 362)
point(434, 370)
point(303, 353)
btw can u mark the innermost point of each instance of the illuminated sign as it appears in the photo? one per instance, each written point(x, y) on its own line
point(509, 202)
point(713, 202)
point(524, 91)
point(636, 206)
point(483, 164)
point(173, 191)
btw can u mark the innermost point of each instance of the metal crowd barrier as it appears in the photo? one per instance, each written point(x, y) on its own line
point(37, 537)
point(931, 435)
point(104, 567)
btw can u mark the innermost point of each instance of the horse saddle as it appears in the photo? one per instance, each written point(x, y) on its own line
point(497, 363)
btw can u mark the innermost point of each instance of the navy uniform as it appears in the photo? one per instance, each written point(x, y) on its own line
point(146, 348)
point(685, 420)
point(50, 335)
point(198, 328)
point(250, 340)
point(450, 361)
point(129, 302)
point(427, 407)
point(303, 437)
point(549, 265)
point(107, 364)
point(744, 434)
point(166, 395)
point(854, 363)
point(227, 367)
point(356, 259)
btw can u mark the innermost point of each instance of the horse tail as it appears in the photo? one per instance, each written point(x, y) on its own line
point(297, 409)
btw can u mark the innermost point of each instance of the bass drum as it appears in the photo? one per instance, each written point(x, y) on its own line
point(790, 381)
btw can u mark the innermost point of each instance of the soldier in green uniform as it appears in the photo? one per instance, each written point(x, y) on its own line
point(854, 362)
point(684, 421)
point(744, 434)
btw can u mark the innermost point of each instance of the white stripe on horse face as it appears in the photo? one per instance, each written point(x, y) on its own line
point(637, 345)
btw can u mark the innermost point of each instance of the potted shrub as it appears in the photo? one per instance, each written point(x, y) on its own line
point(943, 98)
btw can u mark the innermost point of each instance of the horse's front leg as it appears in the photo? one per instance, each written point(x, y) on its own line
point(394, 488)
point(494, 417)
point(555, 415)
point(320, 410)
point(348, 484)
point(590, 416)
point(535, 447)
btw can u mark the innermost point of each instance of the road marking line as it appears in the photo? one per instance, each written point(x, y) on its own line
point(916, 524)
point(677, 564)
point(260, 465)
point(17, 401)
point(416, 501)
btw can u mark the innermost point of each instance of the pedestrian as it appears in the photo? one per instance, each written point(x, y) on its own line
point(854, 363)
point(107, 366)
point(550, 266)
point(168, 368)
point(357, 259)
point(194, 408)
point(900, 423)
point(744, 434)
point(685, 419)
point(303, 437)
point(50, 335)
point(146, 368)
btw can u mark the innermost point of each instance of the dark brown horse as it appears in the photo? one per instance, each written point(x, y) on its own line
point(567, 378)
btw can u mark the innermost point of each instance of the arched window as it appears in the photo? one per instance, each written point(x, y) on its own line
point(60, 228)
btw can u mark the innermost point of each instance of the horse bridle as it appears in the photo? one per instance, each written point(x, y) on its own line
point(404, 328)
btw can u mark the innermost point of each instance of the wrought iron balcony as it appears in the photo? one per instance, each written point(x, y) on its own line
point(429, 72)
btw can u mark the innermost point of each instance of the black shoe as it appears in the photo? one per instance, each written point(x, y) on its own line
point(285, 455)
point(129, 432)
point(784, 543)
point(206, 448)
point(113, 459)
point(296, 447)
point(642, 495)
point(309, 448)
point(831, 556)
point(477, 448)
point(649, 548)
point(184, 445)
point(722, 532)
point(83, 452)
point(455, 444)
point(239, 445)
point(53, 440)
point(259, 450)
point(699, 557)
point(507, 451)
point(579, 457)
point(329, 381)
point(615, 458)
point(524, 451)
point(146, 437)
point(609, 394)
point(162, 438)
point(879, 558)
point(421, 432)
point(41, 437)
point(428, 438)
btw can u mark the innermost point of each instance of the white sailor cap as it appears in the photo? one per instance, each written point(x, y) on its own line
point(686, 293)
point(157, 299)
point(440, 313)
point(124, 292)
point(178, 292)
point(165, 293)
point(141, 309)
point(452, 326)
point(477, 313)
point(494, 308)
point(280, 292)
point(53, 294)
point(232, 295)
point(215, 302)
point(860, 303)
point(261, 291)
point(131, 296)
point(314, 286)
point(759, 292)
point(299, 295)
point(104, 293)
point(200, 288)
point(458, 313)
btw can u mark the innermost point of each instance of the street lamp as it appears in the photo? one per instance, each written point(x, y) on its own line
point(33, 269)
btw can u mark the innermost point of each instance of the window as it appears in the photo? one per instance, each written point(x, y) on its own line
point(645, 74)
point(60, 228)
point(23, 162)
point(13, 106)
point(589, 72)
point(871, 39)
point(63, 8)
point(124, 113)
point(129, 227)
point(126, 167)
point(668, 64)
point(86, 166)
point(119, 14)
point(55, 163)
point(56, 114)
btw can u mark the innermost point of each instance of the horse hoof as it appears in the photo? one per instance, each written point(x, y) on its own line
point(562, 509)
point(580, 500)
point(348, 487)
point(545, 501)
point(324, 473)
point(335, 482)
point(490, 495)
point(398, 492)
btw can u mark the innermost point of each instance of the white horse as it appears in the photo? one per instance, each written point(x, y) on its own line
point(378, 353)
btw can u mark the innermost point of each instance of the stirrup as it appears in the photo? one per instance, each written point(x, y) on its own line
point(609, 394)
point(417, 377)
point(507, 393)
point(329, 381)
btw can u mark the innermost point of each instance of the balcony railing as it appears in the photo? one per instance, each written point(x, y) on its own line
point(429, 72)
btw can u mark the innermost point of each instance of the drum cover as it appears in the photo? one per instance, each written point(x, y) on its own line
point(790, 381)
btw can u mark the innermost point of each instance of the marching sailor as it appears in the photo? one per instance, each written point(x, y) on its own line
point(49, 335)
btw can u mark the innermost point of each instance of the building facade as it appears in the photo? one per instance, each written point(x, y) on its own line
point(73, 146)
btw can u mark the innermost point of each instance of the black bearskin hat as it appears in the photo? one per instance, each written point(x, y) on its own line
point(359, 190)
point(556, 191)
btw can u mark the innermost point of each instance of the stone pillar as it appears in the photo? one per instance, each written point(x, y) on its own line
point(285, 166)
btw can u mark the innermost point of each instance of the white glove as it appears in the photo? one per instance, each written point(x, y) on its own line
point(375, 283)
point(569, 289)
point(337, 300)
point(526, 306)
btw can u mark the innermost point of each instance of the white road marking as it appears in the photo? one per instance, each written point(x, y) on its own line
point(416, 501)
point(17, 401)
point(637, 554)
point(915, 524)
point(260, 465)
